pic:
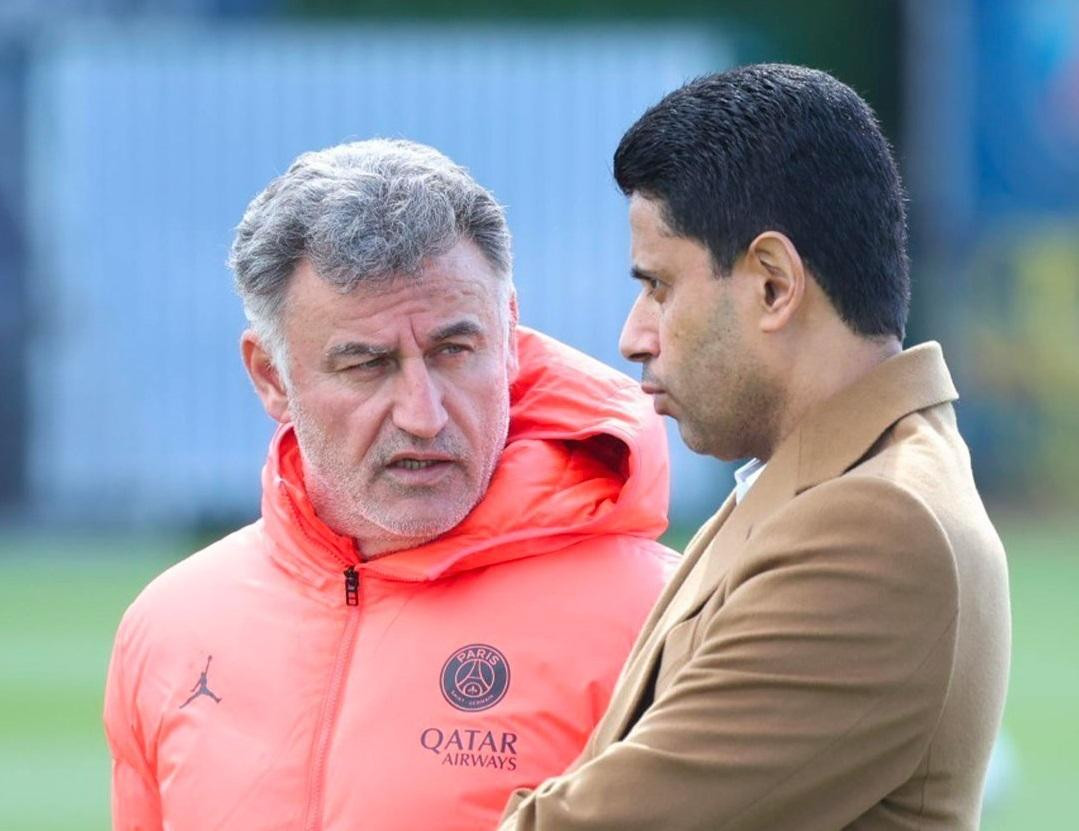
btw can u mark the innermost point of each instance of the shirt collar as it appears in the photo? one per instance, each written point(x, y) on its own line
point(745, 476)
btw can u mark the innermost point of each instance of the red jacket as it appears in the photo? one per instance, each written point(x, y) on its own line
point(275, 681)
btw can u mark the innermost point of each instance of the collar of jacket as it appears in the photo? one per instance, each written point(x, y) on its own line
point(841, 430)
point(834, 435)
point(585, 455)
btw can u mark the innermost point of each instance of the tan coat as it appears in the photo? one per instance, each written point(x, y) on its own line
point(833, 651)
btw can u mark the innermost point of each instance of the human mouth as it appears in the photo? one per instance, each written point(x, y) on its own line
point(416, 464)
point(659, 404)
point(649, 385)
point(419, 468)
point(659, 395)
point(414, 459)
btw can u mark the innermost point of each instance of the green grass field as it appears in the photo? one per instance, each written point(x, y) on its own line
point(60, 601)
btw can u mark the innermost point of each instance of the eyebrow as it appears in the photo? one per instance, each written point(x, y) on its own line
point(641, 274)
point(357, 349)
point(462, 328)
point(354, 349)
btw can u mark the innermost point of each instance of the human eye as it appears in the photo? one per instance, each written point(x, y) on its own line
point(452, 349)
point(369, 365)
point(653, 288)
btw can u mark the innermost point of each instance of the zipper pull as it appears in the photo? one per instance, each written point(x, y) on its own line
point(352, 587)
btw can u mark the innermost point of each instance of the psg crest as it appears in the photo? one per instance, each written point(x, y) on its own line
point(475, 677)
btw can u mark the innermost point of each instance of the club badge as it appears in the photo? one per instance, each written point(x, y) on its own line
point(475, 677)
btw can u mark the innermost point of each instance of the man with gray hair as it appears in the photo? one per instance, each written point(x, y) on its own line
point(456, 547)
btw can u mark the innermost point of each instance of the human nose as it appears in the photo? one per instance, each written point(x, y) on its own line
point(418, 407)
point(639, 341)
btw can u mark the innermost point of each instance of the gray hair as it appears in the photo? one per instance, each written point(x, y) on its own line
point(367, 210)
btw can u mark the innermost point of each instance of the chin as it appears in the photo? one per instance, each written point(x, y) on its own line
point(693, 440)
point(706, 445)
point(432, 525)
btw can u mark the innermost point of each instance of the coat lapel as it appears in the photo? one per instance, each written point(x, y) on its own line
point(636, 673)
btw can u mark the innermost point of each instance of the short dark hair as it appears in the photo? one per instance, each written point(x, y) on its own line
point(788, 149)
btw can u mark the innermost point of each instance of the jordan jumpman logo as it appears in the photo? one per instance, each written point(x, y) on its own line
point(201, 687)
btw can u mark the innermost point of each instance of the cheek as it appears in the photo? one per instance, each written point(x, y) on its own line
point(689, 342)
point(676, 333)
point(347, 419)
point(477, 406)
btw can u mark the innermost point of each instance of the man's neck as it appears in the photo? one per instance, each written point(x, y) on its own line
point(823, 369)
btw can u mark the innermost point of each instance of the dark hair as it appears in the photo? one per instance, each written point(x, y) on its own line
point(788, 149)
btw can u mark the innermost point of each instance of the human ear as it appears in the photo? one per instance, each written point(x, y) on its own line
point(512, 362)
point(268, 383)
point(781, 279)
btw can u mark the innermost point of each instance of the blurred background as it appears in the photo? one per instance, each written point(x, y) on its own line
point(134, 132)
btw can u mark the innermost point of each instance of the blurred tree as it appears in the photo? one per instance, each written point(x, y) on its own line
point(1022, 327)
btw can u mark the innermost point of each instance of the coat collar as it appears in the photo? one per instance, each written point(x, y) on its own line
point(841, 430)
point(835, 434)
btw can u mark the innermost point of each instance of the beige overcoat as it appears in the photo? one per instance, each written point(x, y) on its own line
point(832, 653)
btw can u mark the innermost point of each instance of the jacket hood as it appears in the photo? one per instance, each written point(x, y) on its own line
point(586, 455)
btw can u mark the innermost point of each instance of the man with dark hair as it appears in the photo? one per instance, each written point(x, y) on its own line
point(833, 652)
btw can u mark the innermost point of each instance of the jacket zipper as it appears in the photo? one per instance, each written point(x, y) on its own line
point(328, 716)
point(352, 586)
